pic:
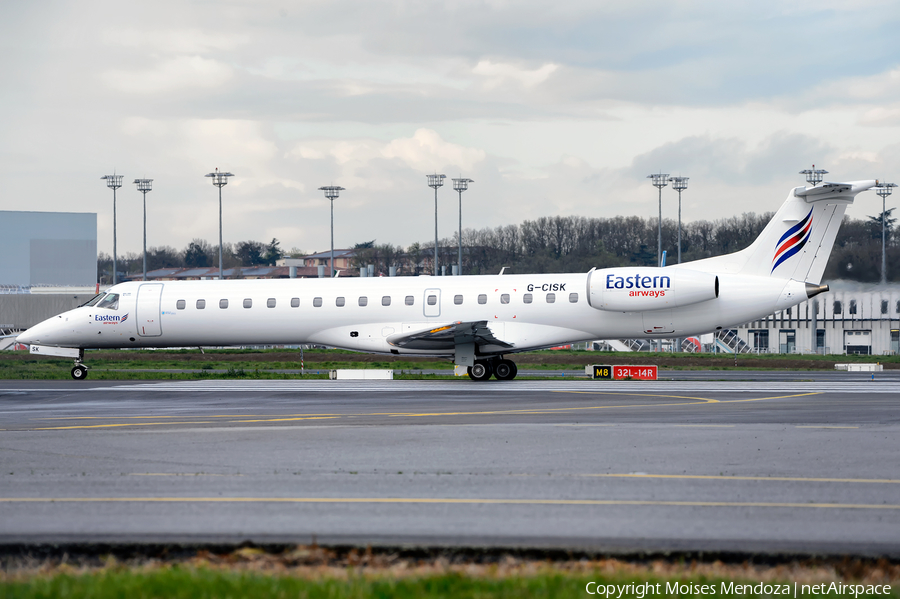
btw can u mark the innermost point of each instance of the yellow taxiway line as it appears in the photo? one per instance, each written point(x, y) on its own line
point(691, 401)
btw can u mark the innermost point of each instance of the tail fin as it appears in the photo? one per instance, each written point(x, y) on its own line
point(797, 241)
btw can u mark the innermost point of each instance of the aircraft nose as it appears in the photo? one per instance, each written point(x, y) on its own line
point(42, 332)
point(27, 337)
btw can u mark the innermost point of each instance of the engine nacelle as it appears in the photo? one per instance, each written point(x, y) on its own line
point(635, 289)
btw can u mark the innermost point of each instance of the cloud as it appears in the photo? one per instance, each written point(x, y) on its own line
point(551, 108)
point(174, 41)
point(176, 74)
point(496, 73)
point(425, 150)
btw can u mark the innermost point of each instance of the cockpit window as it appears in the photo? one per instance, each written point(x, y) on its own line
point(110, 301)
point(93, 301)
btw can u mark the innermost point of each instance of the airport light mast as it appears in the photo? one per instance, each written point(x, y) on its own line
point(659, 181)
point(332, 192)
point(114, 182)
point(884, 190)
point(143, 186)
point(460, 185)
point(679, 184)
point(813, 175)
point(220, 180)
point(436, 181)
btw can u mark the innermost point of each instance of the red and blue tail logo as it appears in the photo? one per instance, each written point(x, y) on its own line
point(792, 241)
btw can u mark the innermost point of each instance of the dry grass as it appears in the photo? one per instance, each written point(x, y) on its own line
point(317, 563)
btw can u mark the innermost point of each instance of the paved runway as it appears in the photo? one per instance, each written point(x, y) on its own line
point(808, 467)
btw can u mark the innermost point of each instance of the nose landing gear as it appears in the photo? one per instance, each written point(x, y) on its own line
point(79, 371)
point(503, 370)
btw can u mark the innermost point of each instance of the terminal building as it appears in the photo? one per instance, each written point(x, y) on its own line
point(861, 320)
point(853, 319)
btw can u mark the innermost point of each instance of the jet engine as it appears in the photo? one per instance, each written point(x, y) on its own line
point(637, 289)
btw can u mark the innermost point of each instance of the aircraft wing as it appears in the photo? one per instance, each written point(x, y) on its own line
point(446, 337)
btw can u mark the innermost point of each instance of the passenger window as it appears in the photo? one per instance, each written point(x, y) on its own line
point(295, 302)
point(270, 303)
point(458, 299)
point(432, 300)
point(180, 305)
point(573, 298)
point(551, 298)
point(884, 306)
point(201, 304)
point(527, 298)
point(410, 300)
point(363, 300)
point(223, 303)
point(837, 307)
point(386, 300)
point(317, 302)
point(852, 306)
point(504, 298)
point(482, 298)
point(248, 303)
point(110, 302)
point(339, 302)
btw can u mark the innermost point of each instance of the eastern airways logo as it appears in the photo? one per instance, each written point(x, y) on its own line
point(110, 319)
point(642, 286)
point(792, 241)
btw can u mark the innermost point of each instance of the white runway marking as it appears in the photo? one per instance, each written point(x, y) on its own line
point(585, 387)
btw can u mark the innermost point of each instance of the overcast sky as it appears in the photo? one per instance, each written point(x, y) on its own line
point(551, 107)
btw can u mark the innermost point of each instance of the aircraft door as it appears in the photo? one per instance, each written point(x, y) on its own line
point(432, 302)
point(147, 314)
point(658, 322)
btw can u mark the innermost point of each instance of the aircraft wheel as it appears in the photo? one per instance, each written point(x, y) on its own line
point(480, 371)
point(79, 373)
point(505, 370)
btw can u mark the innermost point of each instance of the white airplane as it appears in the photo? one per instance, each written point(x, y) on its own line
point(476, 320)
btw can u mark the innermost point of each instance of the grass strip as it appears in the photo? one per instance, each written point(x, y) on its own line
point(187, 582)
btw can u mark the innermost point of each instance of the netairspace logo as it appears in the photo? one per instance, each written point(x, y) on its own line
point(669, 589)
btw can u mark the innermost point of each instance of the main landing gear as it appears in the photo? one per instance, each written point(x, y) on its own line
point(501, 369)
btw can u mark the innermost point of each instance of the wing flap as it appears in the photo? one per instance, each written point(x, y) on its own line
point(447, 337)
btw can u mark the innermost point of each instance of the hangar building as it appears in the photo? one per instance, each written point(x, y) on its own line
point(48, 249)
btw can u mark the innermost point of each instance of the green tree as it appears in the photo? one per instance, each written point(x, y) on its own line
point(249, 253)
point(874, 223)
point(198, 253)
point(273, 253)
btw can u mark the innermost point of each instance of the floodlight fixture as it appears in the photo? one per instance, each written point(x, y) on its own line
point(460, 185)
point(332, 192)
point(220, 180)
point(143, 186)
point(114, 182)
point(659, 181)
point(435, 181)
point(679, 184)
point(884, 190)
point(813, 175)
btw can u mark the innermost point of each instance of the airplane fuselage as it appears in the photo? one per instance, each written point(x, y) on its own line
point(526, 311)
